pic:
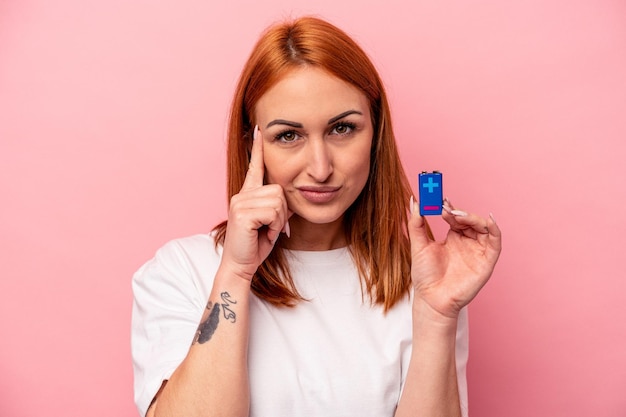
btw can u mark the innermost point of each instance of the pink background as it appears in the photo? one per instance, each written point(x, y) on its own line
point(112, 121)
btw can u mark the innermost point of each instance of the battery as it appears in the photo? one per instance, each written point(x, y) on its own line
point(430, 193)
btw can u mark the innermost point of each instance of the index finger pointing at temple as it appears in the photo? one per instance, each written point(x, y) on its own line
point(254, 177)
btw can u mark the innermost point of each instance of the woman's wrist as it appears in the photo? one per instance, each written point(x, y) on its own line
point(428, 318)
point(235, 273)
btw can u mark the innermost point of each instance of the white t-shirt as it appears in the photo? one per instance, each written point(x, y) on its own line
point(333, 355)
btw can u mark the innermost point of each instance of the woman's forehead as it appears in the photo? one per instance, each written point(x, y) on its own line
point(308, 91)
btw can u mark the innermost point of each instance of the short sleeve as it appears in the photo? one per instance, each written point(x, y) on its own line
point(168, 302)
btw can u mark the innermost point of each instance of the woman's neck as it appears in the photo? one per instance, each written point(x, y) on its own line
point(315, 237)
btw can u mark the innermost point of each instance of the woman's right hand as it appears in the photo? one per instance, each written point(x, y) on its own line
point(257, 215)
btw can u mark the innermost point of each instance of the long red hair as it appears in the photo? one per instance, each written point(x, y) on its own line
point(375, 224)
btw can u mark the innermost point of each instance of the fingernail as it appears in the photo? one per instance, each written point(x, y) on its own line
point(255, 135)
point(459, 213)
point(492, 218)
point(411, 208)
point(286, 229)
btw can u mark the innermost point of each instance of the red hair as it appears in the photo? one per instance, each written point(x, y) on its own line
point(375, 224)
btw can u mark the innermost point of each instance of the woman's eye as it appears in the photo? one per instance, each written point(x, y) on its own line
point(343, 129)
point(288, 136)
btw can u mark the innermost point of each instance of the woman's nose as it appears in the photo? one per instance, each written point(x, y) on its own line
point(319, 160)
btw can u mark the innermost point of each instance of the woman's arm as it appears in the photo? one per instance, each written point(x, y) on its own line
point(213, 377)
point(446, 277)
point(431, 387)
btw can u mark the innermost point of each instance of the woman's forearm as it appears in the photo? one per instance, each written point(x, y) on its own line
point(213, 378)
point(431, 387)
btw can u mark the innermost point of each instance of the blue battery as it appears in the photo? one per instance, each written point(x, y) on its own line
point(430, 193)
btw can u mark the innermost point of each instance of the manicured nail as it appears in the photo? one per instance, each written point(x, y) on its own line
point(492, 218)
point(411, 207)
point(459, 213)
point(255, 135)
point(286, 229)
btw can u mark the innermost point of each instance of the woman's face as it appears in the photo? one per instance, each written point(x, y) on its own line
point(317, 135)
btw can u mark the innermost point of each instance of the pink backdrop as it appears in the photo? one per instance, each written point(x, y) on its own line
point(112, 119)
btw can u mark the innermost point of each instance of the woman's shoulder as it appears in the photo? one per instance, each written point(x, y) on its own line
point(188, 255)
point(192, 247)
point(182, 269)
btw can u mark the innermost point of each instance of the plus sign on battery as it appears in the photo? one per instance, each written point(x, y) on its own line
point(430, 185)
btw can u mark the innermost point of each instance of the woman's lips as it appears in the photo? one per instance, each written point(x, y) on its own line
point(318, 195)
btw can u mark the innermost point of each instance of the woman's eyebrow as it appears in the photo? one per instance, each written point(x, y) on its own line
point(342, 115)
point(284, 122)
point(299, 125)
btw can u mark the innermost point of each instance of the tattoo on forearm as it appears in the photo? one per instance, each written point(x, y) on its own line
point(229, 314)
point(208, 326)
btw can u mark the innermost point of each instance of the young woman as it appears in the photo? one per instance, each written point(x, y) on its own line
point(323, 294)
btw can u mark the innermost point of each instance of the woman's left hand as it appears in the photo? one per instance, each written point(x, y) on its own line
point(447, 275)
